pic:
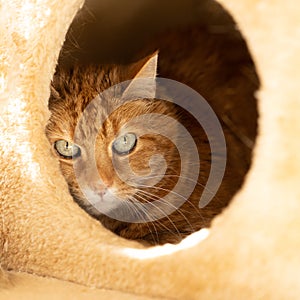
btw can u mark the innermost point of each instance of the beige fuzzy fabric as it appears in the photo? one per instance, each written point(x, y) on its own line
point(252, 250)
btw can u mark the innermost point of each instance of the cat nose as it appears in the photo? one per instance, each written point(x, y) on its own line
point(100, 189)
point(102, 192)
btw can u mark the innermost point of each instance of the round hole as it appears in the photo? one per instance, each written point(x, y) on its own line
point(199, 45)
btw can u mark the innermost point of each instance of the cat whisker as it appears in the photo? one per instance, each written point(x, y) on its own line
point(163, 189)
point(175, 176)
point(184, 177)
point(160, 223)
point(195, 208)
point(149, 222)
point(171, 205)
point(137, 211)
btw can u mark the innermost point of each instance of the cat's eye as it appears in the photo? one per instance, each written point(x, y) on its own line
point(124, 144)
point(67, 149)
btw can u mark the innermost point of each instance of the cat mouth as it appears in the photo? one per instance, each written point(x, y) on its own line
point(113, 207)
point(101, 203)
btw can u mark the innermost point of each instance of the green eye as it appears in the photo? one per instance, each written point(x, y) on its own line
point(124, 144)
point(67, 149)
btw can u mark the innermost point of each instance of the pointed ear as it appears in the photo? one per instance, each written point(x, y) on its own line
point(149, 68)
point(54, 94)
point(143, 83)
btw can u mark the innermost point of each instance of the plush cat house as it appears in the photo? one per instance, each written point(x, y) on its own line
point(49, 246)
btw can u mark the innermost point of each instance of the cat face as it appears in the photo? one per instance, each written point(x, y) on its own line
point(116, 156)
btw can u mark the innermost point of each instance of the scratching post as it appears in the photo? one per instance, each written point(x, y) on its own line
point(252, 250)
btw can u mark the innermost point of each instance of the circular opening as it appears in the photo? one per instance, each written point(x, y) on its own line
point(200, 46)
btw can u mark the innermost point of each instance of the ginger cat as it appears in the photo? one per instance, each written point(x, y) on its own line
point(102, 192)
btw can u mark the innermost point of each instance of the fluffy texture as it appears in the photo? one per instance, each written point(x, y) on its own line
point(253, 248)
point(74, 92)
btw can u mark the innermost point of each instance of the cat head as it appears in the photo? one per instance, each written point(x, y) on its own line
point(116, 155)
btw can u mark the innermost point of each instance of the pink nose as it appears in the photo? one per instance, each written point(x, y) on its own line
point(101, 192)
point(100, 188)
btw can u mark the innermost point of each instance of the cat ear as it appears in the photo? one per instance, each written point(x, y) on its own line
point(149, 68)
point(143, 83)
point(53, 92)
